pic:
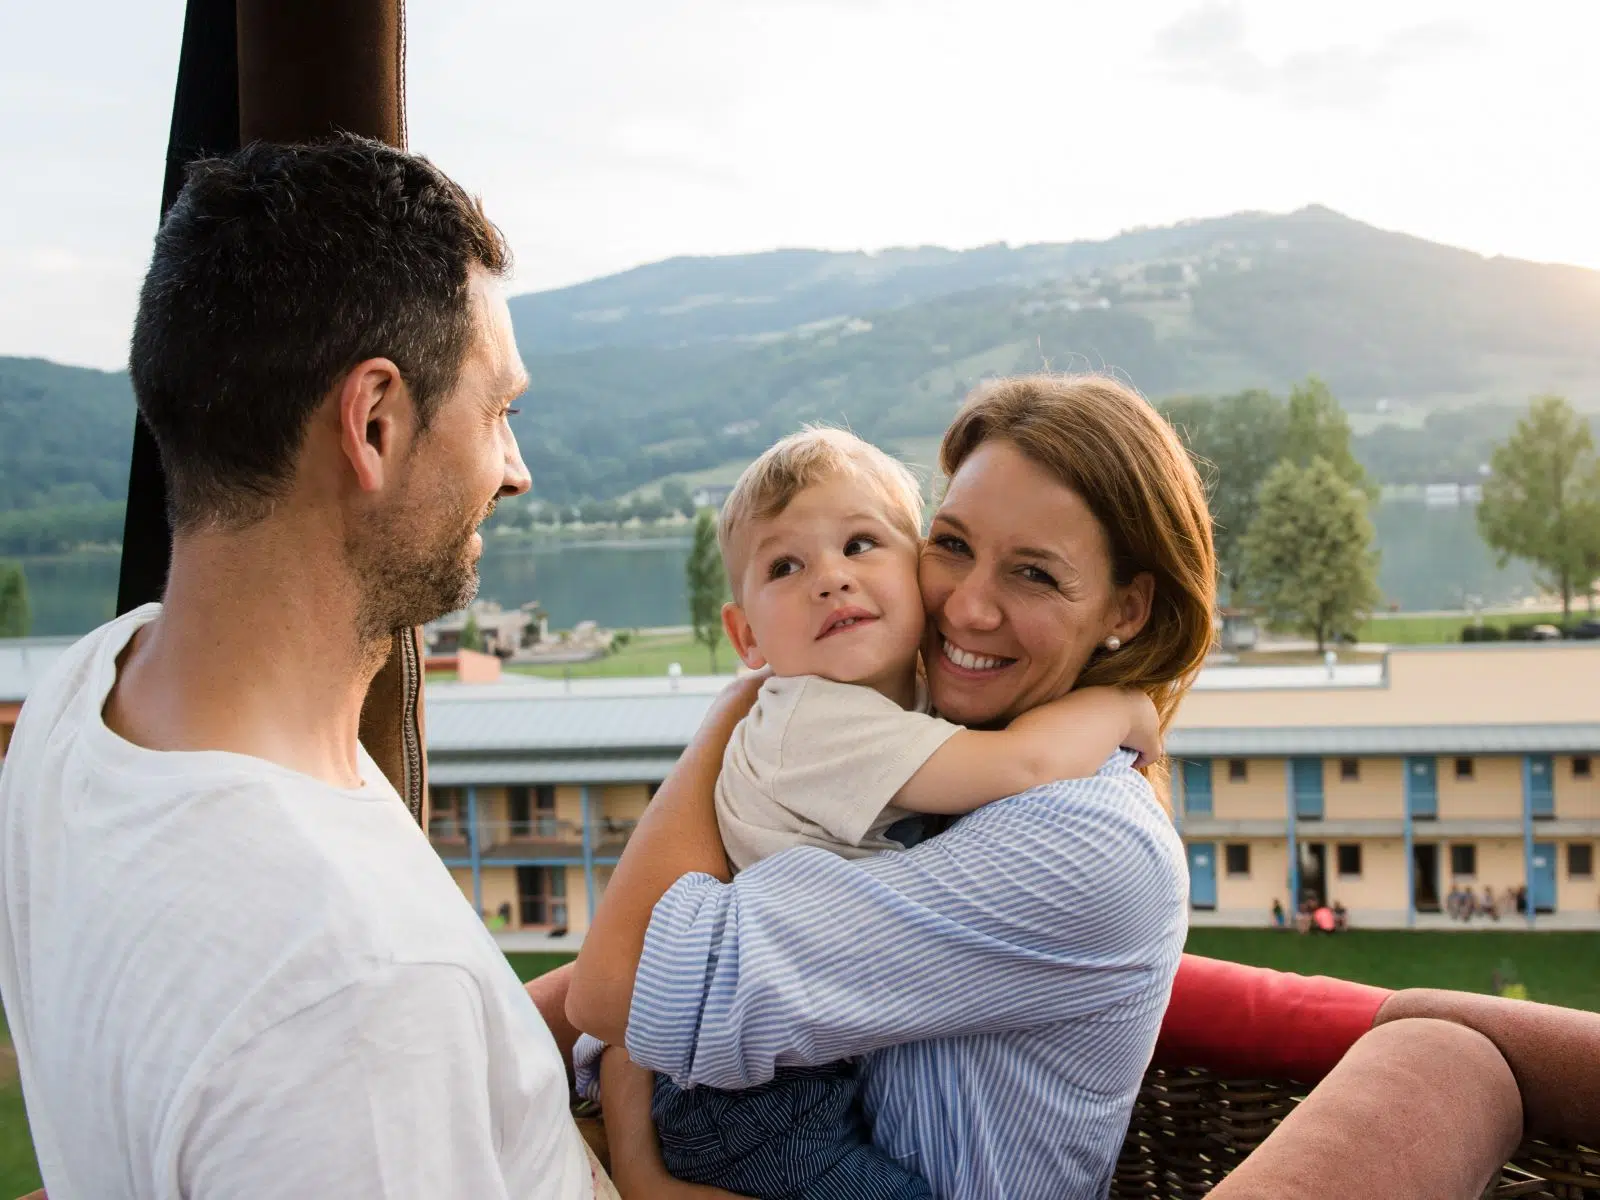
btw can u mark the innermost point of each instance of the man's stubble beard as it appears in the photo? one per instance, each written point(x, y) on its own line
point(404, 583)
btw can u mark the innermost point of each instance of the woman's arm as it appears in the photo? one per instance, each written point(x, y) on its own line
point(1062, 904)
point(676, 836)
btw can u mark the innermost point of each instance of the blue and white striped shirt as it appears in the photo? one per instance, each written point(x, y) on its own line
point(1003, 983)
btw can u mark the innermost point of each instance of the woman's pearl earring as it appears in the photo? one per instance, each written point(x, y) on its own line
point(1113, 642)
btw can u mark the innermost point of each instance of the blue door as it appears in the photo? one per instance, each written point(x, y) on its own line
point(1540, 780)
point(1422, 788)
point(1308, 789)
point(1203, 874)
point(1542, 887)
point(1197, 787)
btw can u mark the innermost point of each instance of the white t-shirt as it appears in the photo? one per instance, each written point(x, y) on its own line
point(816, 763)
point(228, 980)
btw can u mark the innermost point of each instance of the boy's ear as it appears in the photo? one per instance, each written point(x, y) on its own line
point(741, 637)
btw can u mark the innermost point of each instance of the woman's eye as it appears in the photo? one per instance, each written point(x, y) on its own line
point(782, 567)
point(1035, 575)
point(950, 543)
point(859, 544)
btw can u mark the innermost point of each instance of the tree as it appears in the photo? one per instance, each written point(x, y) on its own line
point(15, 617)
point(708, 584)
point(1308, 554)
point(471, 635)
point(675, 495)
point(1541, 502)
point(1318, 428)
point(1239, 438)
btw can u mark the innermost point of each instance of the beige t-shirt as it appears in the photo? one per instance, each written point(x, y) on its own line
point(816, 763)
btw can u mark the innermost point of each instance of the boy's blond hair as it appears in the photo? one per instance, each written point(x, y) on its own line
point(814, 455)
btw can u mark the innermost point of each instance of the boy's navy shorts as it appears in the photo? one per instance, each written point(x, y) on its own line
point(800, 1137)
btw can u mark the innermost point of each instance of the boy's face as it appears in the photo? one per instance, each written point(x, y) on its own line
point(829, 587)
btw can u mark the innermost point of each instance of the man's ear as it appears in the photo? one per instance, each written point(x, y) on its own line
point(376, 420)
point(741, 637)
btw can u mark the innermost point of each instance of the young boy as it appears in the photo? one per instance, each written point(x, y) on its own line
point(821, 537)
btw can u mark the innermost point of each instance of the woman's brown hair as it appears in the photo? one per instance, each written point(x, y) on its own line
point(1103, 440)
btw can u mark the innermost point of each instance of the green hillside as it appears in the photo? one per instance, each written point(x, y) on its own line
point(688, 367)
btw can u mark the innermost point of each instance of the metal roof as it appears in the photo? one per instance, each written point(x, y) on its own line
point(492, 771)
point(1359, 740)
point(24, 662)
point(535, 724)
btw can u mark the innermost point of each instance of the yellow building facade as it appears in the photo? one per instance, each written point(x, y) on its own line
point(1393, 790)
point(1385, 788)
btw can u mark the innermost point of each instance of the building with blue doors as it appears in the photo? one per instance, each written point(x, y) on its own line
point(1382, 786)
point(1389, 789)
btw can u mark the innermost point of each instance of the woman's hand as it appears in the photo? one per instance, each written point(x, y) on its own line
point(676, 836)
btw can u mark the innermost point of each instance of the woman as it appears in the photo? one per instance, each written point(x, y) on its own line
point(1006, 979)
point(1427, 1103)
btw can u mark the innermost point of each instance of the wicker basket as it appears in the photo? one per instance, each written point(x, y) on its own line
point(1190, 1128)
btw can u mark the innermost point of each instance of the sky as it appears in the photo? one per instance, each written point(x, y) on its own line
point(611, 133)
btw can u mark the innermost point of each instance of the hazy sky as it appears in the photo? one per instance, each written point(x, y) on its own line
point(609, 133)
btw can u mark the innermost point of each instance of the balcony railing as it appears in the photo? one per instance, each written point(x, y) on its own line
point(536, 837)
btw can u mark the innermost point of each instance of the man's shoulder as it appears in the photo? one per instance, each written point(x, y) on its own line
point(74, 667)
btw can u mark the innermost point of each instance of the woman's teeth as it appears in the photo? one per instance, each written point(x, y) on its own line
point(972, 662)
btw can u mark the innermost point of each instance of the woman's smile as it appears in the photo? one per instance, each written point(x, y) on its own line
point(960, 660)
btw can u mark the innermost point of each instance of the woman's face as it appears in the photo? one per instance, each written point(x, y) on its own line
point(1017, 581)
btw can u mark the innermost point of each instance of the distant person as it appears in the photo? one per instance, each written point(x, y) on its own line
point(326, 360)
point(1487, 904)
point(821, 540)
point(1278, 917)
point(1341, 916)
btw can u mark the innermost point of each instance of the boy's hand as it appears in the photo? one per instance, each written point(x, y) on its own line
point(1144, 727)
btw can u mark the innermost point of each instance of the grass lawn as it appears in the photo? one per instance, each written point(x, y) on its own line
point(643, 656)
point(532, 965)
point(19, 1174)
point(1402, 630)
point(1557, 968)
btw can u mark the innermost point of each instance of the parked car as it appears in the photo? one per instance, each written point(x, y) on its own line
point(1587, 629)
point(1544, 633)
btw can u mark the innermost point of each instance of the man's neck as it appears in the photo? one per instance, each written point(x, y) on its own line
point(255, 652)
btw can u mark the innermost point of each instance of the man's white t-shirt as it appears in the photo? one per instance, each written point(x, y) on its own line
point(816, 763)
point(226, 979)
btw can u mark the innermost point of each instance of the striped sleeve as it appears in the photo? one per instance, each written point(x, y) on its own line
point(1055, 905)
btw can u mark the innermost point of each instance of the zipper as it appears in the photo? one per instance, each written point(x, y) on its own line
point(410, 721)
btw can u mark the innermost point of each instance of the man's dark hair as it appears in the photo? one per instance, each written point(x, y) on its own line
point(277, 270)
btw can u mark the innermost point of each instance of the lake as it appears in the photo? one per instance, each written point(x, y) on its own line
point(620, 584)
point(1432, 558)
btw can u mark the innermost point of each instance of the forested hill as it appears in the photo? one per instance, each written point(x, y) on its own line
point(690, 363)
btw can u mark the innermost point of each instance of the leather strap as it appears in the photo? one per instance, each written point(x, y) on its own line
point(307, 69)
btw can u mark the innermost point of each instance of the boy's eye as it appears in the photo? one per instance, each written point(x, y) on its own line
point(859, 544)
point(781, 567)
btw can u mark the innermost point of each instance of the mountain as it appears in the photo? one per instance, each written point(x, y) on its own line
point(685, 364)
point(692, 364)
point(65, 434)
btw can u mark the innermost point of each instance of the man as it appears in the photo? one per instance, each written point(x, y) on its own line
point(231, 963)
